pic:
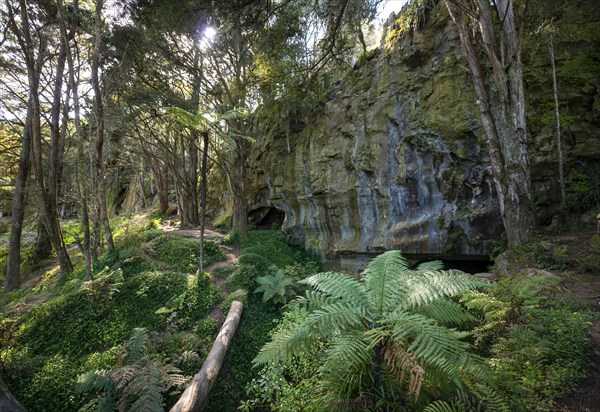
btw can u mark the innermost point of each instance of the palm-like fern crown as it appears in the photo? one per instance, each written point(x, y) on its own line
point(400, 315)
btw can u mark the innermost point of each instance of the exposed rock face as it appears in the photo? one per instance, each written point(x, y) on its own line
point(393, 162)
point(395, 159)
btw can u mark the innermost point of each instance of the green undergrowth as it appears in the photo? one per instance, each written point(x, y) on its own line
point(263, 253)
point(60, 329)
point(528, 332)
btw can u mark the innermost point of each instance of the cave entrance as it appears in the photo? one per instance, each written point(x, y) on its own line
point(471, 264)
point(267, 218)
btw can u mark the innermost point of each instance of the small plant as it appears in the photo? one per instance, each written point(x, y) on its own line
point(137, 384)
point(153, 223)
point(583, 191)
point(274, 287)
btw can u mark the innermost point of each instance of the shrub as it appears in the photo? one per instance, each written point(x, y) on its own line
point(243, 277)
point(583, 191)
point(183, 254)
point(535, 337)
point(275, 287)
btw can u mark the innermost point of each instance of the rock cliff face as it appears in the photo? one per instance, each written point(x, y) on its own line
point(395, 159)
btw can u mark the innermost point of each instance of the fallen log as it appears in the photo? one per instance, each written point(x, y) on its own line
point(195, 395)
point(8, 403)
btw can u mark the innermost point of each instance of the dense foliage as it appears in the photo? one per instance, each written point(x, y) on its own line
point(517, 334)
point(45, 348)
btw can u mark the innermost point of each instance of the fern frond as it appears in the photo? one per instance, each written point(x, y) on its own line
point(379, 277)
point(136, 346)
point(447, 313)
point(431, 343)
point(93, 381)
point(430, 266)
point(187, 358)
point(172, 376)
point(107, 403)
point(337, 316)
point(403, 364)
point(429, 286)
point(339, 286)
point(350, 353)
point(146, 388)
point(442, 406)
point(493, 400)
point(484, 302)
point(312, 300)
point(285, 343)
point(125, 374)
point(347, 368)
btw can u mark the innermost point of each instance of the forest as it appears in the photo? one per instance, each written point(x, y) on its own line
point(299, 205)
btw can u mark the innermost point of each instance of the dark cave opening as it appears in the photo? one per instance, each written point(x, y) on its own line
point(267, 218)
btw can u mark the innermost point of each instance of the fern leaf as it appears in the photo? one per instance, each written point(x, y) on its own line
point(337, 316)
point(430, 266)
point(493, 400)
point(188, 357)
point(172, 377)
point(403, 364)
point(429, 286)
point(146, 388)
point(285, 343)
point(313, 299)
point(431, 343)
point(95, 381)
point(123, 375)
point(349, 353)
point(379, 277)
point(136, 346)
point(107, 403)
point(447, 313)
point(442, 406)
point(339, 286)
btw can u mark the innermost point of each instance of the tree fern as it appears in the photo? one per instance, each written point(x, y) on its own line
point(136, 385)
point(391, 324)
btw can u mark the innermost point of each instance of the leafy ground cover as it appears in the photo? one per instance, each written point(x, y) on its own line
point(145, 325)
point(67, 344)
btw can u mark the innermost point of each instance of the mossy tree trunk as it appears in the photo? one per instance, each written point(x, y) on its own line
point(501, 102)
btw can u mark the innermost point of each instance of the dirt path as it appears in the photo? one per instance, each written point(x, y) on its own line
point(209, 234)
point(231, 258)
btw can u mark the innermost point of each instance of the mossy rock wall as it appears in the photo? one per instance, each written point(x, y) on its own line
point(395, 158)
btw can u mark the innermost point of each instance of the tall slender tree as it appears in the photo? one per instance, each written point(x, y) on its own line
point(47, 186)
point(99, 105)
point(491, 27)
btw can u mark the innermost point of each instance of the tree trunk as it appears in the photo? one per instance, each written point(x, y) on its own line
point(162, 186)
point(502, 109)
point(195, 395)
point(48, 210)
point(8, 403)
point(193, 180)
point(100, 180)
point(240, 203)
point(203, 198)
point(43, 244)
point(13, 270)
point(81, 178)
point(561, 174)
point(54, 166)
